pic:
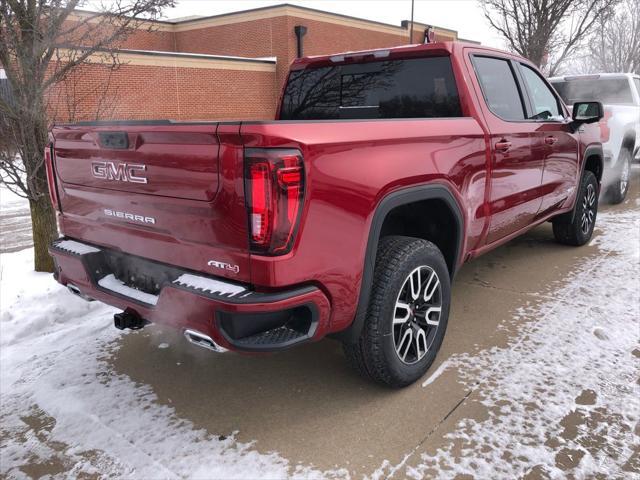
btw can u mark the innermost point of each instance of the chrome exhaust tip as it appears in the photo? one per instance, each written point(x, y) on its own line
point(203, 341)
point(76, 291)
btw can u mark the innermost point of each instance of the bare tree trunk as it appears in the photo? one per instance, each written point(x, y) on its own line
point(45, 230)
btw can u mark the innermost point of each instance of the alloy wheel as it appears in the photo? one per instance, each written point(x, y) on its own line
point(417, 314)
point(624, 177)
point(588, 209)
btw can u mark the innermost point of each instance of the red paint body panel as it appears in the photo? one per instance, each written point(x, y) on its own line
point(195, 191)
point(350, 170)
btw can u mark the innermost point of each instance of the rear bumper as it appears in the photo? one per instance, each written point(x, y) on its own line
point(232, 314)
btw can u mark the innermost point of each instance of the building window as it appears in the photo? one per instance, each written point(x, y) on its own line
point(5, 90)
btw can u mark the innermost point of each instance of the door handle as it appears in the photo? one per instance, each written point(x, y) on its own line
point(550, 140)
point(503, 145)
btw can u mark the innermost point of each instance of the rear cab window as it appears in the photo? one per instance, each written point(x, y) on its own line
point(609, 91)
point(405, 88)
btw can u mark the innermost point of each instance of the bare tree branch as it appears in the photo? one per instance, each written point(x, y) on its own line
point(547, 32)
point(614, 45)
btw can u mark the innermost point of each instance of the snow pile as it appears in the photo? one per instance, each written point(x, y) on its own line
point(76, 247)
point(110, 282)
point(209, 284)
point(62, 405)
point(564, 396)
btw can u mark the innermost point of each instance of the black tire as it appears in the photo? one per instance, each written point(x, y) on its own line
point(572, 230)
point(375, 354)
point(617, 191)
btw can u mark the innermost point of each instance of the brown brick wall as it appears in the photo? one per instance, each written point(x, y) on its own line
point(144, 38)
point(151, 40)
point(323, 38)
point(244, 39)
point(275, 37)
point(151, 92)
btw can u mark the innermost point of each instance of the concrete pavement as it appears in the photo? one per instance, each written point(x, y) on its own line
point(308, 406)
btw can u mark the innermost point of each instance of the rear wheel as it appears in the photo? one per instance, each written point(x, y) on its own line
point(578, 230)
point(407, 315)
point(618, 190)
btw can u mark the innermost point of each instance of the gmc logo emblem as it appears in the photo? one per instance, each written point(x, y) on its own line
point(123, 172)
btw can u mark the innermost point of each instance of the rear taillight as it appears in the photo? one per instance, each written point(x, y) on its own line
point(51, 179)
point(605, 131)
point(274, 188)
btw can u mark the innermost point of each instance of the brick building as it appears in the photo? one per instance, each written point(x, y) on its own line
point(219, 67)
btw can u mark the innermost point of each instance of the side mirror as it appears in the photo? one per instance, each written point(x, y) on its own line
point(587, 112)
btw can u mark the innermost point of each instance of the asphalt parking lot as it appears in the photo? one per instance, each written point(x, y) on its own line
point(516, 390)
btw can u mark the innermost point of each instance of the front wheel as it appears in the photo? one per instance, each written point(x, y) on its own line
point(618, 190)
point(578, 230)
point(407, 315)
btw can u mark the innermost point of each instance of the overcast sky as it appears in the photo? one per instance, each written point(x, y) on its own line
point(462, 15)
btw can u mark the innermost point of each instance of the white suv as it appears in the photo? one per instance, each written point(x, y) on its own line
point(620, 127)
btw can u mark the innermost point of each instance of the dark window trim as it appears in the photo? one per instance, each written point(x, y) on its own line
point(524, 103)
point(526, 94)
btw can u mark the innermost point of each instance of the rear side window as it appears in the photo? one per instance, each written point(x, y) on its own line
point(499, 87)
point(637, 82)
point(413, 88)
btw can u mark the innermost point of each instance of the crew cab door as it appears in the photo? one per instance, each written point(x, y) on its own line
point(517, 162)
point(553, 137)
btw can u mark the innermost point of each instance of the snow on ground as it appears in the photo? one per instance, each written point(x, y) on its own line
point(564, 396)
point(15, 222)
point(63, 407)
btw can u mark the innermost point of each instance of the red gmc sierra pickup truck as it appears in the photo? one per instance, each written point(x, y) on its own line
point(348, 216)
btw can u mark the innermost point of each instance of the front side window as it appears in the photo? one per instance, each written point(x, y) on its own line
point(544, 102)
point(499, 87)
point(412, 88)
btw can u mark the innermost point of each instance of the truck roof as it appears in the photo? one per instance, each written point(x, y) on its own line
point(441, 48)
point(593, 76)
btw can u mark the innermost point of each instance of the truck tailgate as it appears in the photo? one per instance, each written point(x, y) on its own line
point(168, 192)
point(174, 161)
